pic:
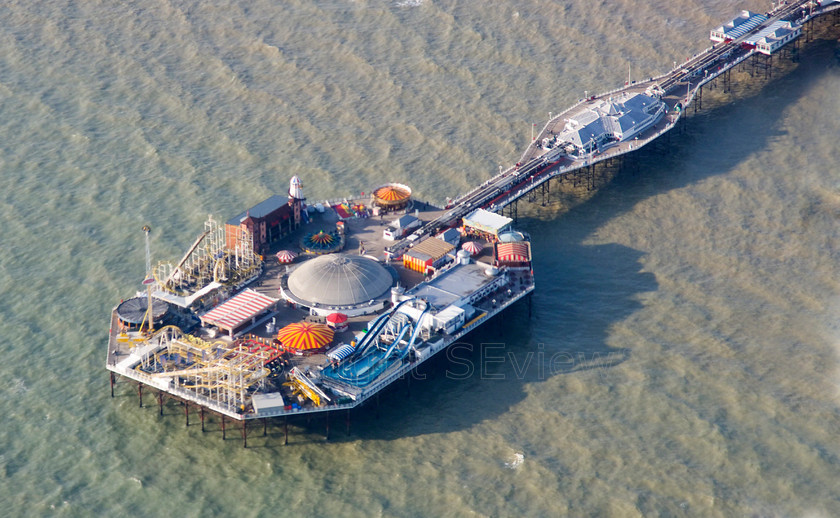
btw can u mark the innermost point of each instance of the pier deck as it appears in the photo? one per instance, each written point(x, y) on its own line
point(676, 90)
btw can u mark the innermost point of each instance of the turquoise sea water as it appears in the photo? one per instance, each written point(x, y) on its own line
point(682, 355)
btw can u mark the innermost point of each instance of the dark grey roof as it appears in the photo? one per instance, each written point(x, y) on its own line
point(404, 221)
point(262, 209)
point(450, 234)
point(339, 280)
point(134, 310)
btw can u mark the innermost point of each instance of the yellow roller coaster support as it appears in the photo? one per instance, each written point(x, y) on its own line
point(299, 388)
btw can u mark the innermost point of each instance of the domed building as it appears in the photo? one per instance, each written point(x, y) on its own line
point(352, 284)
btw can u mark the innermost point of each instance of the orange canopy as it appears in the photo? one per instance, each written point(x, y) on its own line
point(305, 337)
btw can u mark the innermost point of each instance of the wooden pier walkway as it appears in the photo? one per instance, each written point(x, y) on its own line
point(677, 89)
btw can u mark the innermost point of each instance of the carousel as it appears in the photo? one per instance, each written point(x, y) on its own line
point(319, 243)
point(392, 196)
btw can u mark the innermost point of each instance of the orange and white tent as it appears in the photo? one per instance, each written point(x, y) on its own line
point(305, 337)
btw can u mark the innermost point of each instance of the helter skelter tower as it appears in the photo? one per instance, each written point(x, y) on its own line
point(296, 200)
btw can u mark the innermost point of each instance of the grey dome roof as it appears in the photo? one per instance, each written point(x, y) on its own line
point(339, 280)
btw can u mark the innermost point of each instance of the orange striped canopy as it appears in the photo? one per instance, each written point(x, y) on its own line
point(392, 193)
point(305, 337)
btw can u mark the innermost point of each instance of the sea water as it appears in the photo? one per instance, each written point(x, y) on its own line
point(680, 356)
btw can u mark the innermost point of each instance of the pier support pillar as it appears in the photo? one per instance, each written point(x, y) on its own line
point(512, 209)
point(265, 427)
point(140, 393)
point(327, 434)
point(113, 381)
point(244, 433)
point(348, 421)
point(530, 296)
point(201, 416)
point(698, 99)
point(285, 430)
point(187, 411)
point(224, 434)
point(792, 49)
point(160, 403)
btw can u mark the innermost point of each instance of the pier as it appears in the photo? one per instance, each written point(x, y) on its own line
point(678, 89)
point(219, 377)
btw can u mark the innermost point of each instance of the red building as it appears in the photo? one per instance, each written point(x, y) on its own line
point(266, 222)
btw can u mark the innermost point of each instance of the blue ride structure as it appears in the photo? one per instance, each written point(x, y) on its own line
point(371, 359)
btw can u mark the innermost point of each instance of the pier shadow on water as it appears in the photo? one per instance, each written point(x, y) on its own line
point(583, 289)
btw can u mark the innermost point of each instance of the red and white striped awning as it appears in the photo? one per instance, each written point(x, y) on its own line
point(518, 252)
point(238, 310)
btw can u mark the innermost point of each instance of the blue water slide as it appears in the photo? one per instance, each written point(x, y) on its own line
point(373, 332)
point(369, 362)
point(364, 375)
point(415, 333)
point(377, 361)
point(370, 337)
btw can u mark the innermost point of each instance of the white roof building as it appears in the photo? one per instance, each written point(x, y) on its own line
point(774, 37)
point(608, 122)
point(487, 221)
point(737, 27)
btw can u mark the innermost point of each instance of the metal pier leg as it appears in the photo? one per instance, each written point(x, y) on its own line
point(187, 411)
point(530, 296)
point(548, 192)
point(140, 392)
point(327, 435)
point(265, 427)
point(224, 434)
point(348, 421)
point(160, 403)
point(245, 433)
point(698, 99)
point(285, 430)
point(408, 385)
point(201, 414)
point(377, 405)
point(113, 381)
